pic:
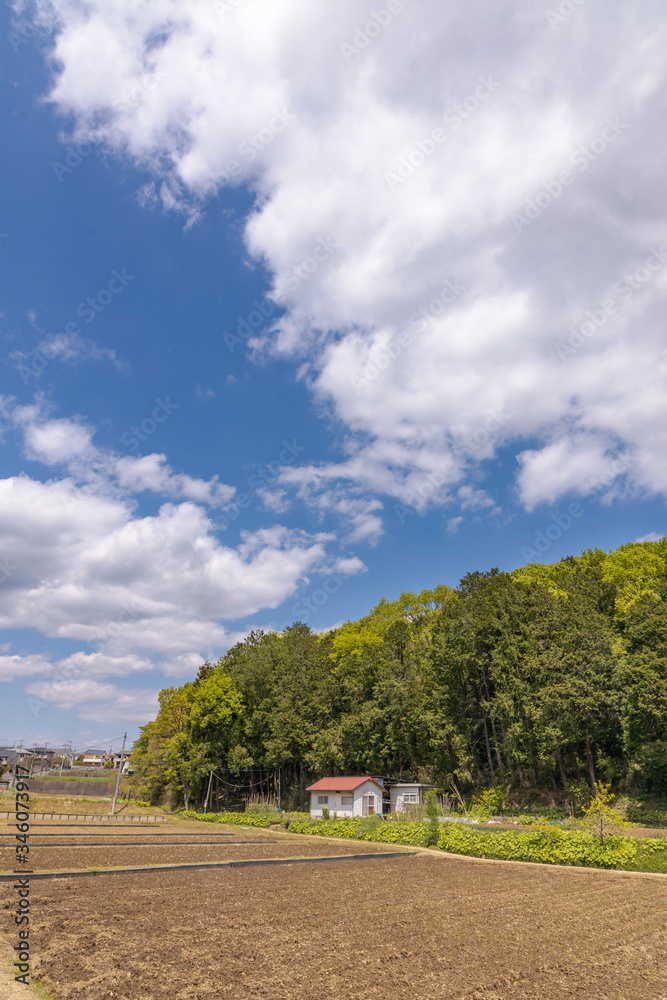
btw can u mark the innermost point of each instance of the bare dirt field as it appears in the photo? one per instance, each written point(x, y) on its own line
point(78, 848)
point(413, 929)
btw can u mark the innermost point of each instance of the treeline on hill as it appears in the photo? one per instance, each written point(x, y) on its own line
point(550, 676)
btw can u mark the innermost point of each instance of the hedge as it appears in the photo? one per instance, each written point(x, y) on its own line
point(410, 834)
point(559, 847)
point(233, 819)
point(556, 847)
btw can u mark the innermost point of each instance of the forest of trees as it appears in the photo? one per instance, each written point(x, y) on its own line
point(549, 676)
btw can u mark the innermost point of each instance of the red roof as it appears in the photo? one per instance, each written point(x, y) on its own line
point(340, 784)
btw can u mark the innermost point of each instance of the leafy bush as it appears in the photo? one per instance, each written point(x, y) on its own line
point(375, 830)
point(651, 856)
point(235, 819)
point(432, 814)
point(492, 799)
point(556, 847)
point(645, 817)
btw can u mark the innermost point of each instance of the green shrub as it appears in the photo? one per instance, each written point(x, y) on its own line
point(555, 846)
point(432, 814)
point(558, 847)
point(648, 817)
point(375, 830)
point(235, 819)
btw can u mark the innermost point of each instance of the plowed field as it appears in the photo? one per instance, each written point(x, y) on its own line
point(416, 929)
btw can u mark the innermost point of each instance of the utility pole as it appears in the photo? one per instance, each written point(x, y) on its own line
point(278, 788)
point(120, 768)
point(208, 791)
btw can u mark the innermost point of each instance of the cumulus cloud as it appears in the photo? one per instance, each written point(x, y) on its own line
point(95, 701)
point(147, 594)
point(89, 564)
point(433, 270)
point(151, 472)
point(14, 666)
point(68, 442)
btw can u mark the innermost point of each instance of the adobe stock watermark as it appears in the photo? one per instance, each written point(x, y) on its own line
point(381, 358)
point(249, 149)
point(77, 152)
point(51, 348)
point(140, 432)
point(227, 6)
point(466, 445)
point(553, 531)
point(594, 488)
point(7, 567)
point(375, 25)
point(581, 158)
point(88, 310)
point(128, 615)
point(564, 11)
point(454, 117)
point(249, 325)
point(137, 94)
point(624, 291)
point(416, 498)
point(264, 477)
point(320, 596)
point(75, 671)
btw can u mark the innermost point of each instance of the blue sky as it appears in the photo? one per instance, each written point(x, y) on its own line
point(282, 336)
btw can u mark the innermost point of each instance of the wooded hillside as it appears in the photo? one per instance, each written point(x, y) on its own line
point(546, 676)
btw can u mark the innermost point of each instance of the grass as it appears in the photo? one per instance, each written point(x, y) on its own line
point(78, 805)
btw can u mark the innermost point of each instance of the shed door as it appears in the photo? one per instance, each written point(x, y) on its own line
point(368, 805)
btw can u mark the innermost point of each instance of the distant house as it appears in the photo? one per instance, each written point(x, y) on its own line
point(8, 756)
point(94, 758)
point(408, 793)
point(346, 797)
point(114, 758)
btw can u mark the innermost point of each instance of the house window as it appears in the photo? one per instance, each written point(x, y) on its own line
point(410, 798)
point(323, 800)
point(347, 800)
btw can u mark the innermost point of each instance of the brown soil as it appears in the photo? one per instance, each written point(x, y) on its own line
point(416, 929)
point(81, 857)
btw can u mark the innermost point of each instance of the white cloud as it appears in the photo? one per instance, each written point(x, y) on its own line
point(571, 463)
point(152, 593)
point(69, 442)
point(151, 472)
point(15, 666)
point(57, 441)
point(97, 702)
point(514, 114)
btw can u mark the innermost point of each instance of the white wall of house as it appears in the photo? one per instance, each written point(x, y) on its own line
point(403, 796)
point(347, 804)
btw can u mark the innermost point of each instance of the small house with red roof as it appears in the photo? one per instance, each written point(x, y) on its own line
point(346, 797)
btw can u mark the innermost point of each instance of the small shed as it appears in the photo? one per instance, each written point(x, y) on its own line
point(408, 793)
point(346, 796)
